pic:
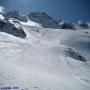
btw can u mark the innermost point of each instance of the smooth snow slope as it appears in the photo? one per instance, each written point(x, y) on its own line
point(40, 61)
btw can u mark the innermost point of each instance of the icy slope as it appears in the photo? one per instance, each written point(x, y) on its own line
point(35, 55)
point(40, 61)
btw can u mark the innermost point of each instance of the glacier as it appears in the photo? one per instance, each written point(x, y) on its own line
point(47, 57)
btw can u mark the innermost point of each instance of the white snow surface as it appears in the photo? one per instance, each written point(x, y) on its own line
point(39, 62)
point(46, 59)
point(2, 9)
point(31, 23)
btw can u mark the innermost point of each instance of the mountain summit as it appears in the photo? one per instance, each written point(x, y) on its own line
point(38, 52)
point(2, 9)
point(36, 19)
point(15, 14)
point(43, 19)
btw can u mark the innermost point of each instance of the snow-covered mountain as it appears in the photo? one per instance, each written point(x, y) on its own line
point(40, 53)
point(2, 9)
point(15, 14)
point(66, 25)
point(11, 29)
point(8, 27)
point(43, 19)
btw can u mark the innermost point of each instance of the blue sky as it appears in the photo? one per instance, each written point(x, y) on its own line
point(70, 10)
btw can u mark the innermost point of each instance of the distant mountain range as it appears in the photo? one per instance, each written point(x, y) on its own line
point(38, 52)
point(41, 19)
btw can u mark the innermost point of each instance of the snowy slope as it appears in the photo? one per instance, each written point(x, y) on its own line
point(15, 14)
point(2, 9)
point(40, 61)
point(45, 58)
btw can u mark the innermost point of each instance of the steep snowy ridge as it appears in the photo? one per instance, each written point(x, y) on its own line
point(7, 27)
point(2, 9)
point(15, 14)
point(45, 20)
point(40, 53)
point(11, 29)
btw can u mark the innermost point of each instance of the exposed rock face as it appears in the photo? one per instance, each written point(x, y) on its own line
point(11, 29)
point(9, 21)
point(71, 53)
point(2, 24)
point(43, 19)
point(83, 24)
point(15, 14)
